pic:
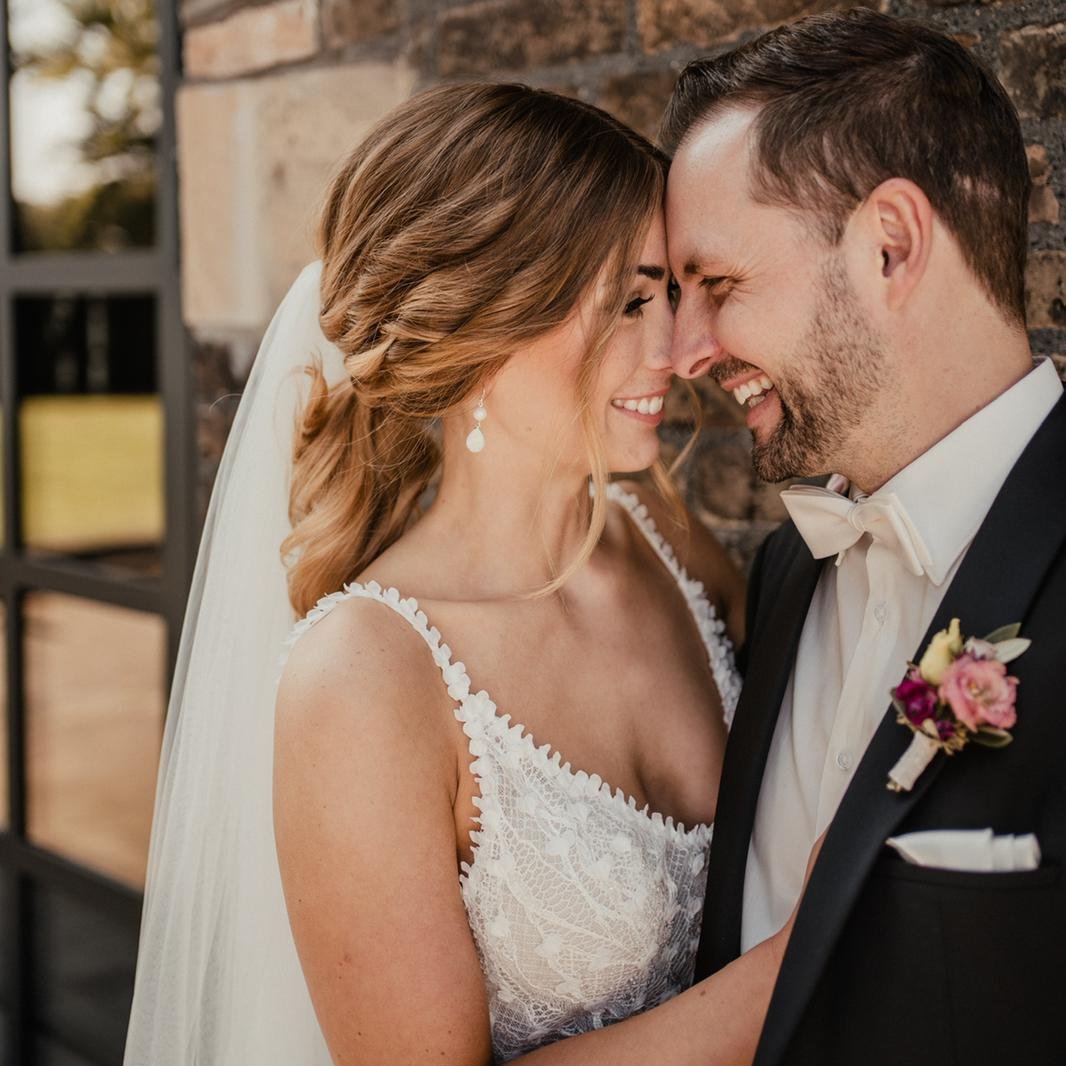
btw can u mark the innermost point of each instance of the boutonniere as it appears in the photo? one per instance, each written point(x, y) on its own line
point(959, 692)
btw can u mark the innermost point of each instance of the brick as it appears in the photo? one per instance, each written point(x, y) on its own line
point(515, 35)
point(253, 173)
point(1033, 69)
point(1043, 205)
point(766, 501)
point(347, 22)
point(191, 11)
point(1039, 164)
point(667, 24)
point(740, 539)
point(217, 391)
point(720, 479)
point(638, 98)
point(251, 39)
point(1046, 290)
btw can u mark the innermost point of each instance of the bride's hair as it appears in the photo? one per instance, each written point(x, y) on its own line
point(470, 221)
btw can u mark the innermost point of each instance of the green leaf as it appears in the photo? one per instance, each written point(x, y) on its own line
point(1004, 633)
point(1009, 650)
point(988, 737)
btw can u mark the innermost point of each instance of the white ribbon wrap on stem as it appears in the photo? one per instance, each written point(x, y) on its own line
point(913, 761)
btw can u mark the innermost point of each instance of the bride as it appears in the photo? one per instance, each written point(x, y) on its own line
point(477, 821)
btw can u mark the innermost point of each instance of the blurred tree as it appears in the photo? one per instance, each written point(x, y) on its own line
point(112, 46)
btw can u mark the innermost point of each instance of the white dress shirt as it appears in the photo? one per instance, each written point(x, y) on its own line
point(865, 622)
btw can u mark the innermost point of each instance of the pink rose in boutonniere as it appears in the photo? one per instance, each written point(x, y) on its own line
point(980, 692)
point(960, 691)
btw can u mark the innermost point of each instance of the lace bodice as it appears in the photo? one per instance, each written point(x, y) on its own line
point(585, 909)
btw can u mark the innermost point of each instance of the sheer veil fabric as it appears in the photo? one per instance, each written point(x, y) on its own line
point(218, 978)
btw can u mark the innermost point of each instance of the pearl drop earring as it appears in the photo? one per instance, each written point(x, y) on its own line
point(475, 440)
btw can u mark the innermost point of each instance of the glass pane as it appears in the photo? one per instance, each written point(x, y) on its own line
point(83, 963)
point(94, 722)
point(91, 429)
point(85, 112)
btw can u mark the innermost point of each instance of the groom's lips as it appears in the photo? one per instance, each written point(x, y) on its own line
point(761, 413)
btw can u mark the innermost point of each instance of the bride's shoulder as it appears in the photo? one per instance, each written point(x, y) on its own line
point(352, 651)
point(700, 552)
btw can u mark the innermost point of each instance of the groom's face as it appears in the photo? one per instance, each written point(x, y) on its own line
point(767, 309)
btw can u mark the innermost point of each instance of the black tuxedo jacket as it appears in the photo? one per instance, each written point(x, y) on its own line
point(889, 962)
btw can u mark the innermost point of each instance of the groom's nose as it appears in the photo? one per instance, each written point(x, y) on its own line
point(695, 348)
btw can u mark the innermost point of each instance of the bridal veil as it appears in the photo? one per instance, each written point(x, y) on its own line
point(218, 979)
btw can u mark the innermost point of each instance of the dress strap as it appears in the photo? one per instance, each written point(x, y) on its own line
point(454, 673)
point(406, 607)
point(712, 628)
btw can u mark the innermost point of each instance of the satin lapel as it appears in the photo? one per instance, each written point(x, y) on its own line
point(1025, 528)
point(787, 591)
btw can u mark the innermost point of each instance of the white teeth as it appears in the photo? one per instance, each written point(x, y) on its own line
point(752, 390)
point(646, 405)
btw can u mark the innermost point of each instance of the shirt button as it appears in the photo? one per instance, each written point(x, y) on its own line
point(844, 760)
point(881, 613)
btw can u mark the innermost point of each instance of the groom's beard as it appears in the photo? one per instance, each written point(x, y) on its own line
point(844, 369)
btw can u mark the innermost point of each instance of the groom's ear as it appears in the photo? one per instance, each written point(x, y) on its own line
point(901, 218)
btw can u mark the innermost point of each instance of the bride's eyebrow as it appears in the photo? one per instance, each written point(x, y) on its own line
point(656, 273)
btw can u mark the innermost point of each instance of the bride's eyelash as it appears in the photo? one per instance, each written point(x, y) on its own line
point(633, 308)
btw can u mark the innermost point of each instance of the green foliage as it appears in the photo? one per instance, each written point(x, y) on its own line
point(115, 43)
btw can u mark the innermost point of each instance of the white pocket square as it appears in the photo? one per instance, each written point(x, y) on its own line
point(975, 850)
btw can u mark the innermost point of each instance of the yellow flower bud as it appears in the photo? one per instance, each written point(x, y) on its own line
point(941, 653)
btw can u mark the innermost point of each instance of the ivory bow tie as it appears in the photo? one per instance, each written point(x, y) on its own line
point(831, 523)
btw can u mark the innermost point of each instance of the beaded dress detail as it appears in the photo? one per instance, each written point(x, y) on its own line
point(585, 909)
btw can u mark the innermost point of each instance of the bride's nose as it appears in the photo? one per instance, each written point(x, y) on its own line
point(657, 351)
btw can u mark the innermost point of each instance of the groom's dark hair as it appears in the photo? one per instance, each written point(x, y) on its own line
point(849, 99)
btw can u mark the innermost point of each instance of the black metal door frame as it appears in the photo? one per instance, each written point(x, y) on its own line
point(94, 273)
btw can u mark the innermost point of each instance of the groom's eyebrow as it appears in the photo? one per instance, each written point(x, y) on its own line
point(656, 273)
point(698, 264)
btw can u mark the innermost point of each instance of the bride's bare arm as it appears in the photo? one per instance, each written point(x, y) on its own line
point(366, 769)
point(364, 781)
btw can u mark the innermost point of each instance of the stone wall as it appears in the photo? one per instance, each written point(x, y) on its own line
point(275, 91)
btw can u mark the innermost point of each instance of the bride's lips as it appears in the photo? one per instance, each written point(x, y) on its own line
point(652, 401)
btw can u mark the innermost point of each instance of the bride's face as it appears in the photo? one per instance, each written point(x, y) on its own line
point(536, 396)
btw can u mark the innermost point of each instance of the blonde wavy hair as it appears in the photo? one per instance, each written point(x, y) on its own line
point(470, 221)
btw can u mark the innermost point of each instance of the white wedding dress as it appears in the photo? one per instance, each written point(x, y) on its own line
point(585, 909)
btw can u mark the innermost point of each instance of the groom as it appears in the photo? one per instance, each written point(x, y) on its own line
point(847, 217)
